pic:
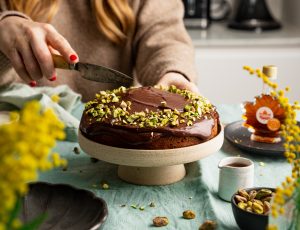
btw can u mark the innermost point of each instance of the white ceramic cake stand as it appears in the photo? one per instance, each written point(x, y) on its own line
point(151, 167)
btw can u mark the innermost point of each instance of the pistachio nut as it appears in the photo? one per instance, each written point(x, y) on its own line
point(249, 209)
point(268, 198)
point(208, 225)
point(160, 221)
point(242, 205)
point(240, 199)
point(257, 208)
point(263, 193)
point(252, 194)
point(258, 202)
point(267, 207)
point(254, 201)
point(249, 203)
point(189, 214)
point(243, 193)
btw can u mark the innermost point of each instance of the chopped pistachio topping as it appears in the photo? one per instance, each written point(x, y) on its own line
point(163, 103)
point(105, 186)
point(108, 105)
point(152, 204)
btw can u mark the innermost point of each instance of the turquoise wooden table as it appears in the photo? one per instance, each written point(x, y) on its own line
point(197, 191)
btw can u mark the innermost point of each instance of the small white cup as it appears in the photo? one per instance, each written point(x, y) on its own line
point(235, 173)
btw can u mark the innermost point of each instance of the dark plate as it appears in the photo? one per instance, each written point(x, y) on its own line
point(240, 137)
point(66, 207)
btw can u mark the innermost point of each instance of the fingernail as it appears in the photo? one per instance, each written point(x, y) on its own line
point(53, 78)
point(73, 57)
point(32, 84)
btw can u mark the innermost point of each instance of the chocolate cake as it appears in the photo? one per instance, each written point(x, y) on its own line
point(149, 118)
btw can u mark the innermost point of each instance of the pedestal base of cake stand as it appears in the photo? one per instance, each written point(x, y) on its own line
point(152, 175)
point(151, 167)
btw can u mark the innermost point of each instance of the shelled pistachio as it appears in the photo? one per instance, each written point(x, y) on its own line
point(208, 225)
point(189, 214)
point(160, 221)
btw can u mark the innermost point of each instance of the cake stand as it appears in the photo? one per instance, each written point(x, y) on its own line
point(151, 167)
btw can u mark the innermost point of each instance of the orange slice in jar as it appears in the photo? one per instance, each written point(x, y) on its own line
point(273, 124)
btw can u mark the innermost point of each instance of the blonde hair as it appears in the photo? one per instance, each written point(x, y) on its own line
point(114, 18)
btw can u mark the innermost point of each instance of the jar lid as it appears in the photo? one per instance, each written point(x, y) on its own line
point(270, 71)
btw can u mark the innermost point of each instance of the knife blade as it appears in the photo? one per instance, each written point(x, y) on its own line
point(93, 72)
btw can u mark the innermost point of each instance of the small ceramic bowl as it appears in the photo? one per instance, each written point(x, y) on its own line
point(248, 220)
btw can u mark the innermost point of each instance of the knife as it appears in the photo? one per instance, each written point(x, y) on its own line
point(93, 72)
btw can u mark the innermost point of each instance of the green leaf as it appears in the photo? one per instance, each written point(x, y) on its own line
point(34, 224)
point(14, 213)
point(298, 195)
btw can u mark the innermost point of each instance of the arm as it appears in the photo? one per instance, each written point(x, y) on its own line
point(5, 64)
point(28, 44)
point(164, 51)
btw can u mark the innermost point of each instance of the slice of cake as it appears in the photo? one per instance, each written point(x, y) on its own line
point(149, 118)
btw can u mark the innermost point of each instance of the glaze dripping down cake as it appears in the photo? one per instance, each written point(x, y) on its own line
point(149, 118)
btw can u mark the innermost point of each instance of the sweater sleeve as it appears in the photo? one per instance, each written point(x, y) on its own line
point(161, 42)
point(5, 65)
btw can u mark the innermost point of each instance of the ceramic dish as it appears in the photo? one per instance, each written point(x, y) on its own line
point(66, 207)
point(151, 167)
point(248, 220)
point(239, 136)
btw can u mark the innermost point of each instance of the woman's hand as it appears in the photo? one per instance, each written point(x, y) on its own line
point(178, 80)
point(27, 44)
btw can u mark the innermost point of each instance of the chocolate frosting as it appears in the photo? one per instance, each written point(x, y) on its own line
point(149, 98)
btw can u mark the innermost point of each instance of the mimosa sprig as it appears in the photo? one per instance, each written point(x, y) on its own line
point(26, 145)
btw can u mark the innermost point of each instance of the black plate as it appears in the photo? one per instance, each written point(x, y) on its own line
point(66, 207)
point(240, 137)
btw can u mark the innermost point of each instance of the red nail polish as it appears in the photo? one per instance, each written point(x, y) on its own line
point(73, 57)
point(53, 78)
point(32, 84)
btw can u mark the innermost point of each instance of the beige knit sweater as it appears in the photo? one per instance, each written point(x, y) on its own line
point(159, 45)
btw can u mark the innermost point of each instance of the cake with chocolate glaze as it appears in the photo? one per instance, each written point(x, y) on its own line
point(149, 118)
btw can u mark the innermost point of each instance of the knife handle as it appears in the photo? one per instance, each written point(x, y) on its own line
point(59, 62)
